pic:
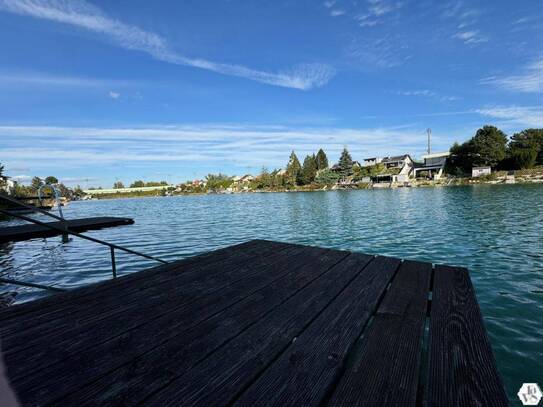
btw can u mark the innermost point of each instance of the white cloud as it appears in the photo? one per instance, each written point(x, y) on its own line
point(22, 178)
point(84, 15)
point(237, 145)
point(35, 78)
point(114, 95)
point(464, 18)
point(531, 80)
point(514, 116)
point(382, 52)
point(337, 13)
point(422, 92)
point(427, 94)
point(329, 3)
point(376, 11)
point(470, 37)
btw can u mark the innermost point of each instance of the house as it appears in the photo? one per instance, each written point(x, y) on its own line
point(7, 184)
point(480, 171)
point(398, 168)
point(399, 161)
point(368, 162)
point(198, 183)
point(433, 165)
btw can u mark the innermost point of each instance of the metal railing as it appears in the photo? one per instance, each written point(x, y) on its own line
point(64, 229)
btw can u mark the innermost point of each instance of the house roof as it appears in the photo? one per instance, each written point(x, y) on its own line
point(436, 155)
point(395, 158)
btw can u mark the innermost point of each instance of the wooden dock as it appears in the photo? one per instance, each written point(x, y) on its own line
point(32, 231)
point(261, 323)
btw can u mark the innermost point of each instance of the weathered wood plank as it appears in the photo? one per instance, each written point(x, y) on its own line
point(177, 306)
point(462, 370)
point(385, 369)
point(151, 371)
point(306, 371)
point(260, 323)
point(32, 231)
point(59, 305)
point(76, 313)
point(223, 375)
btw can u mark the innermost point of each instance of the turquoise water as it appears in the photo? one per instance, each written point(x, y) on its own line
point(495, 231)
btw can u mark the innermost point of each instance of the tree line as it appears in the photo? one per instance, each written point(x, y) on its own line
point(491, 147)
point(139, 184)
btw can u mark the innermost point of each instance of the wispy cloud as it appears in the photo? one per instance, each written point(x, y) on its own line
point(86, 16)
point(194, 145)
point(114, 95)
point(531, 80)
point(421, 92)
point(383, 52)
point(337, 12)
point(427, 94)
point(464, 18)
point(376, 11)
point(470, 37)
point(515, 116)
point(43, 79)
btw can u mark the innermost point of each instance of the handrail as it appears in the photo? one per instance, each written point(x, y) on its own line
point(65, 230)
point(31, 207)
point(56, 194)
point(33, 285)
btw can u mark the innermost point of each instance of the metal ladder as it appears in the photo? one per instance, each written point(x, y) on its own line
point(65, 232)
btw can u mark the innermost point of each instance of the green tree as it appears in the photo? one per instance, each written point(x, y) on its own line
point(137, 184)
point(293, 169)
point(327, 177)
point(218, 181)
point(36, 183)
point(489, 146)
point(309, 170)
point(529, 139)
point(345, 163)
point(50, 180)
point(321, 160)
point(460, 161)
point(65, 191)
point(118, 185)
point(78, 191)
point(522, 158)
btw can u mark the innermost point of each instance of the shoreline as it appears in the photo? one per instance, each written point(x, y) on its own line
point(447, 182)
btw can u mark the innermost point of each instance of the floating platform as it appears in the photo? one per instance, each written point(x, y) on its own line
point(32, 231)
point(261, 323)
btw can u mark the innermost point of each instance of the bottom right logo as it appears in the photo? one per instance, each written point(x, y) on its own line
point(530, 394)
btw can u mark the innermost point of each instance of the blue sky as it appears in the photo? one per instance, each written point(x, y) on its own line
point(94, 92)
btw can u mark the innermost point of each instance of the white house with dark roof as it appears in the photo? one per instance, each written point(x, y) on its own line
point(434, 164)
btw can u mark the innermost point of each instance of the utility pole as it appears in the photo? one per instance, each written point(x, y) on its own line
point(429, 131)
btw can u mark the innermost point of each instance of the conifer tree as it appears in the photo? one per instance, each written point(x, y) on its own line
point(309, 170)
point(293, 168)
point(322, 160)
point(345, 163)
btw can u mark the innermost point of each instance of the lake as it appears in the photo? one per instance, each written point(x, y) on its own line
point(495, 231)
